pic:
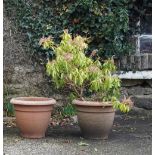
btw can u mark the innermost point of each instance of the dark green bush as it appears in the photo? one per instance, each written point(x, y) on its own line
point(105, 23)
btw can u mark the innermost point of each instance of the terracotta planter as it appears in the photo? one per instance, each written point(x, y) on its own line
point(33, 115)
point(95, 118)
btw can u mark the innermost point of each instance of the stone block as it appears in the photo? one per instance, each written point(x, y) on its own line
point(140, 112)
point(137, 60)
point(129, 82)
point(139, 90)
point(128, 64)
point(123, 62)
point(142, 101)
point(149, 61)
point(144, 61)
point(149, 82)
point(132, 62)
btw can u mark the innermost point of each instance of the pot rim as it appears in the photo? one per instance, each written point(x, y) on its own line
point(92, 103)
point(32, 101)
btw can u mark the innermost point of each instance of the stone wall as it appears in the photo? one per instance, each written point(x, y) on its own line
point(140, 92)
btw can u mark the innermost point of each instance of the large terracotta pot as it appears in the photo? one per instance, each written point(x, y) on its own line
point(95, 118)
point(33, 115)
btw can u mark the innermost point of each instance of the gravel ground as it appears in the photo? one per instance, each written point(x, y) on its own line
point(131, 135)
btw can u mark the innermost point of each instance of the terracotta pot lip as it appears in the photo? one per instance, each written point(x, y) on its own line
point(92, 103)
point(32, 101)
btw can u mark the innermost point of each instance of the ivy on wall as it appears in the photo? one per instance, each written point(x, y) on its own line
point(105, 23)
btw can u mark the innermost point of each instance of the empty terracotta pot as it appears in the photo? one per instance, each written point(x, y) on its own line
point(95, 118)
point(33, 115)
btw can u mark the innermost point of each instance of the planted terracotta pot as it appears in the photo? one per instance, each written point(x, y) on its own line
point(95, 118)
point(33, 115)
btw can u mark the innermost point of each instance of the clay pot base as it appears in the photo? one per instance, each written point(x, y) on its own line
point(95, 138)
point(30, 136)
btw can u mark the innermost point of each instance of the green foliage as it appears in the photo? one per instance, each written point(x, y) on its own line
point(106, 24)
point(35, 21)
point(72, 69)
point(68, 110)
point(7, 106)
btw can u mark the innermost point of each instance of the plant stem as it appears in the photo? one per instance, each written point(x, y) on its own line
point(76, 89)
point(81, 93)
point(77, 92)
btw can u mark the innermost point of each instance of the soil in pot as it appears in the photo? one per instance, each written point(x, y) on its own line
point(95, 118)
point(33, 115)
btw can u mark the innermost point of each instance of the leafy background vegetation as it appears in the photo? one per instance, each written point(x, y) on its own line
point(106, 24)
